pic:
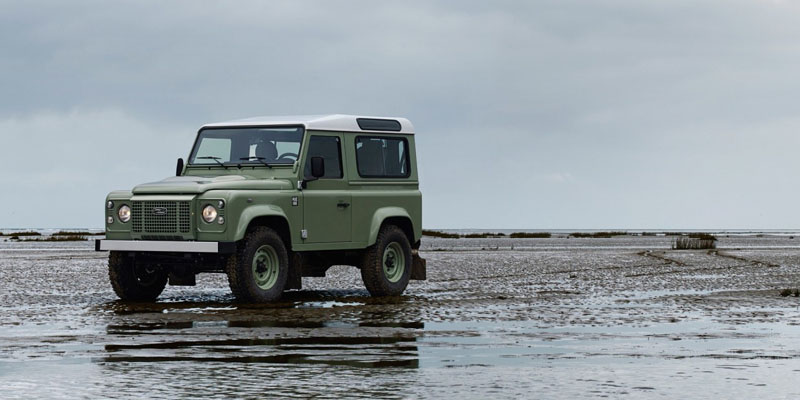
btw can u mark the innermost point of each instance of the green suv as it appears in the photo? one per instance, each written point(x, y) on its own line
point(270, 200)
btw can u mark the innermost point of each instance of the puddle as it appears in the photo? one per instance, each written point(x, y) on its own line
point(328, 304)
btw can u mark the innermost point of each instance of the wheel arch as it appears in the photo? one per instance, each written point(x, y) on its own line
point(395, 216)
point(264, 215)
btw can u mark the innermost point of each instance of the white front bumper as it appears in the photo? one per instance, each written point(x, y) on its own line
point(163, 246)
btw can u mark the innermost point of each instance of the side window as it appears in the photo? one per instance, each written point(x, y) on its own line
point(328, 148)
point(380, 157)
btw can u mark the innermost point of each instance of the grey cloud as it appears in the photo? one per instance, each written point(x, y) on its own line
point(650, 108)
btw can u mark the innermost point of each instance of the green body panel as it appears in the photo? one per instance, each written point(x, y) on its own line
point(276, 208)
point(117, 230)
point(374, 200)
point(201, 184)
point(325, 221)
point(254, 192)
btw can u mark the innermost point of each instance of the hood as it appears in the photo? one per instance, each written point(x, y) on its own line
point(200, 184)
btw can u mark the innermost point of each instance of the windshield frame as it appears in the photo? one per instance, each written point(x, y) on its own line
point(244, 163)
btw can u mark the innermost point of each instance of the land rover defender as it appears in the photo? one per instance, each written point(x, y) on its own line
point(270, 200)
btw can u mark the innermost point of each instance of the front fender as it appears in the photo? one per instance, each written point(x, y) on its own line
point(380, 215)
point(252, 212)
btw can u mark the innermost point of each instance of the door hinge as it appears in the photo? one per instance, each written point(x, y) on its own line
point(303, 234)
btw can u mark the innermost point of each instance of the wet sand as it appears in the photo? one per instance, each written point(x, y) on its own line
point(551, 318)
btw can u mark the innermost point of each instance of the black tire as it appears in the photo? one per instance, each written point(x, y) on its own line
point(389, 281)
point(132, 281)
point(257, 281)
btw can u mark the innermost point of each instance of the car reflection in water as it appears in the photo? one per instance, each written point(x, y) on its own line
point(309, 328)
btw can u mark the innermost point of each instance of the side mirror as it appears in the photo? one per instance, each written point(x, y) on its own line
point(179, 167)
point(317, 167)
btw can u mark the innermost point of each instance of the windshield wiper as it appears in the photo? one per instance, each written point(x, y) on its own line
point(217, 159)
point(260, 159)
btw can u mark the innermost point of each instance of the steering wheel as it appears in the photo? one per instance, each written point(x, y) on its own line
point(288, 154)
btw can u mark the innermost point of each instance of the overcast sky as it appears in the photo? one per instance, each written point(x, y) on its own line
point(529, 114)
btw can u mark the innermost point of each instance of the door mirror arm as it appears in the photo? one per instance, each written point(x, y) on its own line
point(304, 182)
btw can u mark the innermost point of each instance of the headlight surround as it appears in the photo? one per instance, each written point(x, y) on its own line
point(124, 213)
point(209, 213)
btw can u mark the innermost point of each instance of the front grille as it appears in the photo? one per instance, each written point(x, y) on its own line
point(184, 217)
point(161, 217)
point(162, 237)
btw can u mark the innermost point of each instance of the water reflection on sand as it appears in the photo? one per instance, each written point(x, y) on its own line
point(274, 334)
point(554, 320)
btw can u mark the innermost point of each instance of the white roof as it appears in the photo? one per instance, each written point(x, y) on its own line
point(332, 122)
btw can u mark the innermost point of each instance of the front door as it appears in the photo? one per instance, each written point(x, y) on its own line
point(326, 201)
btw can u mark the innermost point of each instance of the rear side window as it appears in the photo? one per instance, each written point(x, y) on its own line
point(328, 148)
point(380, 157)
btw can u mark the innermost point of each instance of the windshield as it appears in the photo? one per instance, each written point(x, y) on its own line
point(258, 146)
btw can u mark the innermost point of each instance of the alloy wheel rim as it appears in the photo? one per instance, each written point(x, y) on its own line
point(266, 267)
point(394, 262)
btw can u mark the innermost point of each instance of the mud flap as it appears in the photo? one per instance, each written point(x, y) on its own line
point(294, 280)
point(418, 267)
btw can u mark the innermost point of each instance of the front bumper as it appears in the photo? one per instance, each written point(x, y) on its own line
point(168, 246)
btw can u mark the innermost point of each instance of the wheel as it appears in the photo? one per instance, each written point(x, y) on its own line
point(386, 267)
point(133, 281)
point(258, 271)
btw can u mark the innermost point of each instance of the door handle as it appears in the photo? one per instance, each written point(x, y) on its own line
point(342, 204)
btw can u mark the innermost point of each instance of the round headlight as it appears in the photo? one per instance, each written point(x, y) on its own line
point(209, 213)
point(124, 213)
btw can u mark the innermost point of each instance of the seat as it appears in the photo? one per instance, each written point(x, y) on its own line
point(267, 151)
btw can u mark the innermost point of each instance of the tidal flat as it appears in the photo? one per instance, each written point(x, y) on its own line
point(556, 317)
